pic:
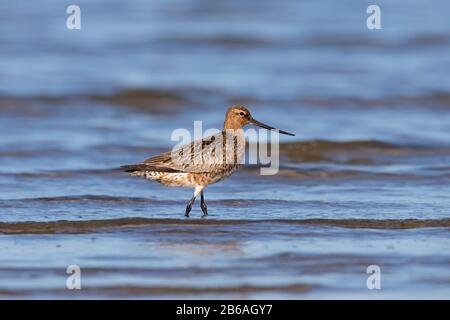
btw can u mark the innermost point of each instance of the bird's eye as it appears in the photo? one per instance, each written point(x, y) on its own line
point(242, 114)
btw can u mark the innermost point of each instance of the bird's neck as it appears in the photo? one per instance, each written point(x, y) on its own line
point(231, 124)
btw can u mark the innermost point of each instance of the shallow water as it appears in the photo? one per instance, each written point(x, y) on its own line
point(366, 180)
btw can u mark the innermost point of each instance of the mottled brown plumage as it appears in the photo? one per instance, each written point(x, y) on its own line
point(201, 162)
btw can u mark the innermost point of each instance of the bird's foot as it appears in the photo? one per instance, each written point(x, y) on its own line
point(204, 209)
point(188, 210)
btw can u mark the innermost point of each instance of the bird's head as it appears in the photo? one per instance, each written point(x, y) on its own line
point(238, 116)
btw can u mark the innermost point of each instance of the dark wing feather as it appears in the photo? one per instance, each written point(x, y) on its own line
point(145, 167)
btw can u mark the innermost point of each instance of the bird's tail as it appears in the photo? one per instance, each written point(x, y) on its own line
point(133, 168)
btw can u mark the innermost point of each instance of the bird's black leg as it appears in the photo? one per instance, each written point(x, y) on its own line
point(203, 205)
point(189, 207)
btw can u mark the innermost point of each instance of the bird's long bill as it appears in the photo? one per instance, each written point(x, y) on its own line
point(265, 126)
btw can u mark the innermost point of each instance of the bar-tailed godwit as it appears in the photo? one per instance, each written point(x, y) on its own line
point(202, 162)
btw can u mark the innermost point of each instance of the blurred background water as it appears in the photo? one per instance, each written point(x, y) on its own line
point(365, 181)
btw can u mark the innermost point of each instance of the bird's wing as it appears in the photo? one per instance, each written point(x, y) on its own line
point(199, 156)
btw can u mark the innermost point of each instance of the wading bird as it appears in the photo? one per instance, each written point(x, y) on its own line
point(202, 162)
